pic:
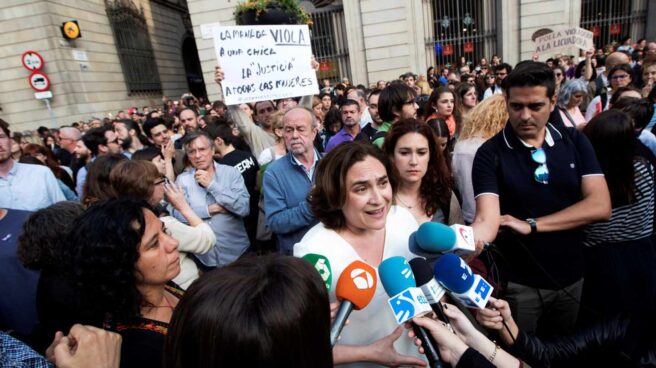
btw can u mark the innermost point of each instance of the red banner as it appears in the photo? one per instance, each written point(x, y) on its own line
point(324, 66)
point(615, 28)
point(596, 31)
point(469, 47)
point(448, 50)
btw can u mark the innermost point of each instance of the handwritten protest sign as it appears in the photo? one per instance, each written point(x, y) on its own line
point(563, 39)
point(265, 62)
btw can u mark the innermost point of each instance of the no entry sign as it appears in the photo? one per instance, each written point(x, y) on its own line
point(39, 81)
point(32, 61)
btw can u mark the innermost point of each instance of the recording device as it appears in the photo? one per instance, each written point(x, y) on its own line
point(355, 288)
point(434, 237)
point(431, 288)
point(322, 265)
point(456, 276)
point(407, 301)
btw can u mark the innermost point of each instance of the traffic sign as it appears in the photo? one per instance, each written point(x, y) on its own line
point(71, 30)
point(43, 95)
point(32, 61)
point(39, 81)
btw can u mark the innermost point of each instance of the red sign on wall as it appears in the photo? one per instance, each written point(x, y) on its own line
point(469, 47)
point(615, 28)
point(324, 66)
point(448, 50)
point(596, 31)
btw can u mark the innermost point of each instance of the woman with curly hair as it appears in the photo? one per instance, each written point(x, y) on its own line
point(122, 262)
point(425, 183)
point(484, 121)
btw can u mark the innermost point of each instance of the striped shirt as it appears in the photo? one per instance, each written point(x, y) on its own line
point(632, 221)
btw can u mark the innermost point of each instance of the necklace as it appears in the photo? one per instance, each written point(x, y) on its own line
point(405, 204)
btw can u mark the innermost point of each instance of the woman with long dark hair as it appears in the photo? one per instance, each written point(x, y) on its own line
point(619, 252)
point(425, 183)
point(441, 104)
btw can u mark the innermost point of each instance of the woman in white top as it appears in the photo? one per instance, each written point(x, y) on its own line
point(352, 198)
point(484, 121)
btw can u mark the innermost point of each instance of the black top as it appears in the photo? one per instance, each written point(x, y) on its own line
point(247, 165)
point(369, 131)
point(18, 286)
point(503, 166)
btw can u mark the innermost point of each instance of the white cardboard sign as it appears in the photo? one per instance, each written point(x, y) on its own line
point(564, 39)
point(265, 62)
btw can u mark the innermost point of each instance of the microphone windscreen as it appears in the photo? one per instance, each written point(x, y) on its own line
point(396, 275)
point(322, 265)
point(422, 270)
point(357, 284)
point(453, 273)
point(416, 249)
point(435, 237)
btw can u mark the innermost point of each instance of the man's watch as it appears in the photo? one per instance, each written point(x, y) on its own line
point(534, 225)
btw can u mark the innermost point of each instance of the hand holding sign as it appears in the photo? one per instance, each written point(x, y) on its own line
point(264, 62)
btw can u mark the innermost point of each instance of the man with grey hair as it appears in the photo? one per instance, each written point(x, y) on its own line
point(68, 137)
point(361, 98)
point(218, 195)
point(288, 180)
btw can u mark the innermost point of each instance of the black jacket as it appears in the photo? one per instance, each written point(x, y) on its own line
point(617, 342)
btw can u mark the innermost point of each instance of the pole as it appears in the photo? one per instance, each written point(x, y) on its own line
point(52, 115)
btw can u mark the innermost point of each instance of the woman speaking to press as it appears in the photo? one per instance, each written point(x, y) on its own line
point(352, 199)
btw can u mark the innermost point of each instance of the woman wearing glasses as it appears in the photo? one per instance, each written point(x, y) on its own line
point(620, 76)
point(141, 179)
point(559, 74)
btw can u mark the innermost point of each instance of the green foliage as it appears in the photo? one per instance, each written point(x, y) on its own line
point(260, 6)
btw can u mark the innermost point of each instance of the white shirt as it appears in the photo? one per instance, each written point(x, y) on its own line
point(376, 320)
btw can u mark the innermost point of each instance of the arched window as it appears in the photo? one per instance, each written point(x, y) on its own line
point(133, 45)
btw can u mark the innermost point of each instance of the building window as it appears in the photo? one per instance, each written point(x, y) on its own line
point(134, 48)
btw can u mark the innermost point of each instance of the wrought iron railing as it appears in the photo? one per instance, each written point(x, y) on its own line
point(135, 50)
point(460, 28)
point(329, 43)
point(611, 20)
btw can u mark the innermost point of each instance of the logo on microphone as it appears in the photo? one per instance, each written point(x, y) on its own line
point(323, 270)
point(362, 279)
point(403, 306)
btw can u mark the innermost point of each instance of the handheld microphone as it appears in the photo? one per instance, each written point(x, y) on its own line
point(322, 265)
point(355, 288)
point(407, 301)
point(434, 237)
point(431, 288)
point(454, 274)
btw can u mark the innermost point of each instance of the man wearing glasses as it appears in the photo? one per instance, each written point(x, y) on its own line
point(541, 185)
point(100, 141)
point(68, 137)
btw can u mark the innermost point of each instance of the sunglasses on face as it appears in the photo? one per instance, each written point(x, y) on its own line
point(541, 173)
point(620, 76)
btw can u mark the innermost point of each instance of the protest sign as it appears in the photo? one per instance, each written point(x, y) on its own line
point(564, 39)
point(265, 62)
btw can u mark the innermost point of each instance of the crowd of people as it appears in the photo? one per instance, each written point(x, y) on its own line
point(171, 236)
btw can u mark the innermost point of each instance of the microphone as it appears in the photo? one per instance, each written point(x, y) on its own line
point(456, 276)
point(407, 301)
point(355, 288)
point(322, 265)
point(431, 288)
point(434, 237)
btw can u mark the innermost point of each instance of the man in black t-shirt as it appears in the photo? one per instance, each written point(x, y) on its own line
point(541, 184)
point(222, 134)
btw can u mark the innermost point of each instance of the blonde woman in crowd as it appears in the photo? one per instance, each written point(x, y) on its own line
point(483, 121)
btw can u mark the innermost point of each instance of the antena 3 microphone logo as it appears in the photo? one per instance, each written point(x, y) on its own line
point(362, 279)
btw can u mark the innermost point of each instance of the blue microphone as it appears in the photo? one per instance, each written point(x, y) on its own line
point(407, 301)
point(456, 276)
point(434, 237)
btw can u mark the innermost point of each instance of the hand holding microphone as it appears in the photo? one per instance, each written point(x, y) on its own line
point(499, 318)
point(355, 288)
point(407, 301)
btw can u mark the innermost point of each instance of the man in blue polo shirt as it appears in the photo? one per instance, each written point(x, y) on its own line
point(541, 184)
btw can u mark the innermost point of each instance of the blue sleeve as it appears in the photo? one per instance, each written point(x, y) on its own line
point(79, 181)
point(55, 193)
point(199, 207)
point(484, 170)
point(231, 193)
point(280, 218)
